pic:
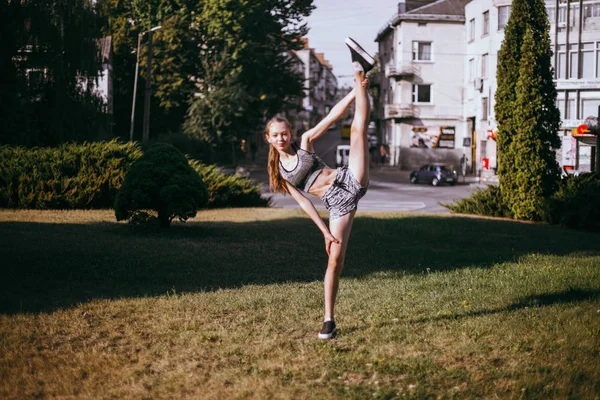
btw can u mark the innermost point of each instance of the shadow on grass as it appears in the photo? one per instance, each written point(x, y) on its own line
point(50, 266)
point(547, 299)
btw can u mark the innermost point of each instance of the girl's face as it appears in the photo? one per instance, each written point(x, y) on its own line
point(279, 136)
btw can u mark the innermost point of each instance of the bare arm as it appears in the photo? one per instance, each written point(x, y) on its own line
point(311, 211)
point(336, 113)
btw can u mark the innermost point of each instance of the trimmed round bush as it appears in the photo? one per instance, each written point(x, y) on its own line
point(576, 203)
point(160, 185)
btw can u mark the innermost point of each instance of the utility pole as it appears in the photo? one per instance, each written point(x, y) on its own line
point(137, 67)
point(146, 132)
point(148, 92)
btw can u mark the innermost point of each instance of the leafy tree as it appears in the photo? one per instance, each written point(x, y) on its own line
point(161, 181)
point(50, 51)
point(537, 172)
point(249, 37)
point(526, 14)
point(216, 114)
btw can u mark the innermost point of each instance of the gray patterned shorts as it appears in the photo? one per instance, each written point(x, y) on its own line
point(343, 195)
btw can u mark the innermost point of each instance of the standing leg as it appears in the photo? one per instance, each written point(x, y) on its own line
point(339, 228)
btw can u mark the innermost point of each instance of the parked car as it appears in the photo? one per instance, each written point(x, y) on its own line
point(434, 174)
point(341, 155)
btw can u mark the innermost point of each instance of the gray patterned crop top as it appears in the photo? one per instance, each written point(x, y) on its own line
point(307, 169)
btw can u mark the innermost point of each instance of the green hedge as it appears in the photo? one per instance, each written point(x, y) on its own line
point(228, 190)
point(72, 176)
point(88, 175)
point(576, 203)
point(486, 202)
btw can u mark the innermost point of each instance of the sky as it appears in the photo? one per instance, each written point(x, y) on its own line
point(333, 20)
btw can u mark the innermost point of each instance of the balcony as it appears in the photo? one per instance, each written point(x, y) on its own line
point(399, 111)
point(402, 71)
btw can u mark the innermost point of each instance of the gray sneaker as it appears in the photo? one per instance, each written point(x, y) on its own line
point(360, 55)
point(328, 331)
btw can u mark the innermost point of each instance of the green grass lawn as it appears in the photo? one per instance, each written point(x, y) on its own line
point(228, 305)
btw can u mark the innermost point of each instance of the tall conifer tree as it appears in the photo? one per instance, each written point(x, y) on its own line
point(526, 15)
point(536, 173)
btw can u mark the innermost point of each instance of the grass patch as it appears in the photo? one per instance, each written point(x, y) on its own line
point(227, 305)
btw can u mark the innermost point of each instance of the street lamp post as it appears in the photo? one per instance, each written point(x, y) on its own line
point(148, 88)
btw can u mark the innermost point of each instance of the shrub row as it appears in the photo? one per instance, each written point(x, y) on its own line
point(71, 176)
point(88, 176)
point(575, 204)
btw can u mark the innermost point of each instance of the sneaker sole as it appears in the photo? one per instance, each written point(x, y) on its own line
point(328, 335)
point(356, 47)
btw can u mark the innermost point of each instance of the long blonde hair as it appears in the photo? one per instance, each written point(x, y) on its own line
point(276, 181)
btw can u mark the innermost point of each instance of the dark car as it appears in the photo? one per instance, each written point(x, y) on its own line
point(434, 174)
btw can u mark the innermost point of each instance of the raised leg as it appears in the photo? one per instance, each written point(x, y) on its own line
point(358, 160)
point(340, 228)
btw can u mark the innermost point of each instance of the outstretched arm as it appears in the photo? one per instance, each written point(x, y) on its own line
point(310, 209)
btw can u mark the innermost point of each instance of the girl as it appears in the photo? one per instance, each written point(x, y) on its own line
point(297, 170)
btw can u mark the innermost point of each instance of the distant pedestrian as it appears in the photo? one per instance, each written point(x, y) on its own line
point(383, 154)
point(298, 170)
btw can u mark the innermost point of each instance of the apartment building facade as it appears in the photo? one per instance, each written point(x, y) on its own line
point(320, 86)
point(420, 85)
point(295, 112)
point(575, 37)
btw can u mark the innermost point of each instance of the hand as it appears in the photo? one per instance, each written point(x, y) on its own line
point(365, 83)
point(329, 238)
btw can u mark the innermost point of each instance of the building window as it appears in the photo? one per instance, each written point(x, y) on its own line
point(421, 51)
point(471, 69)
point(486, 23)
point(587, 60)
point(551, 15)
point(484, 108)
point(484, 66)
point(569, 113)
point(571, 108)
point(561, 69)
point(574, 16)
point(589, 107)
point(590, 11)
point(503, 14)
point(562, 16)
point(573, 61)
point(421, 93)
point(472, 30)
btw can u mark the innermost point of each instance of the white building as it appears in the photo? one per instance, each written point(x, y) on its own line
point(577, 73)
point(421, 83)
point(577, 83)
point(432, 29)
point(485, 32)
point(320, 84)
point(295, 112)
